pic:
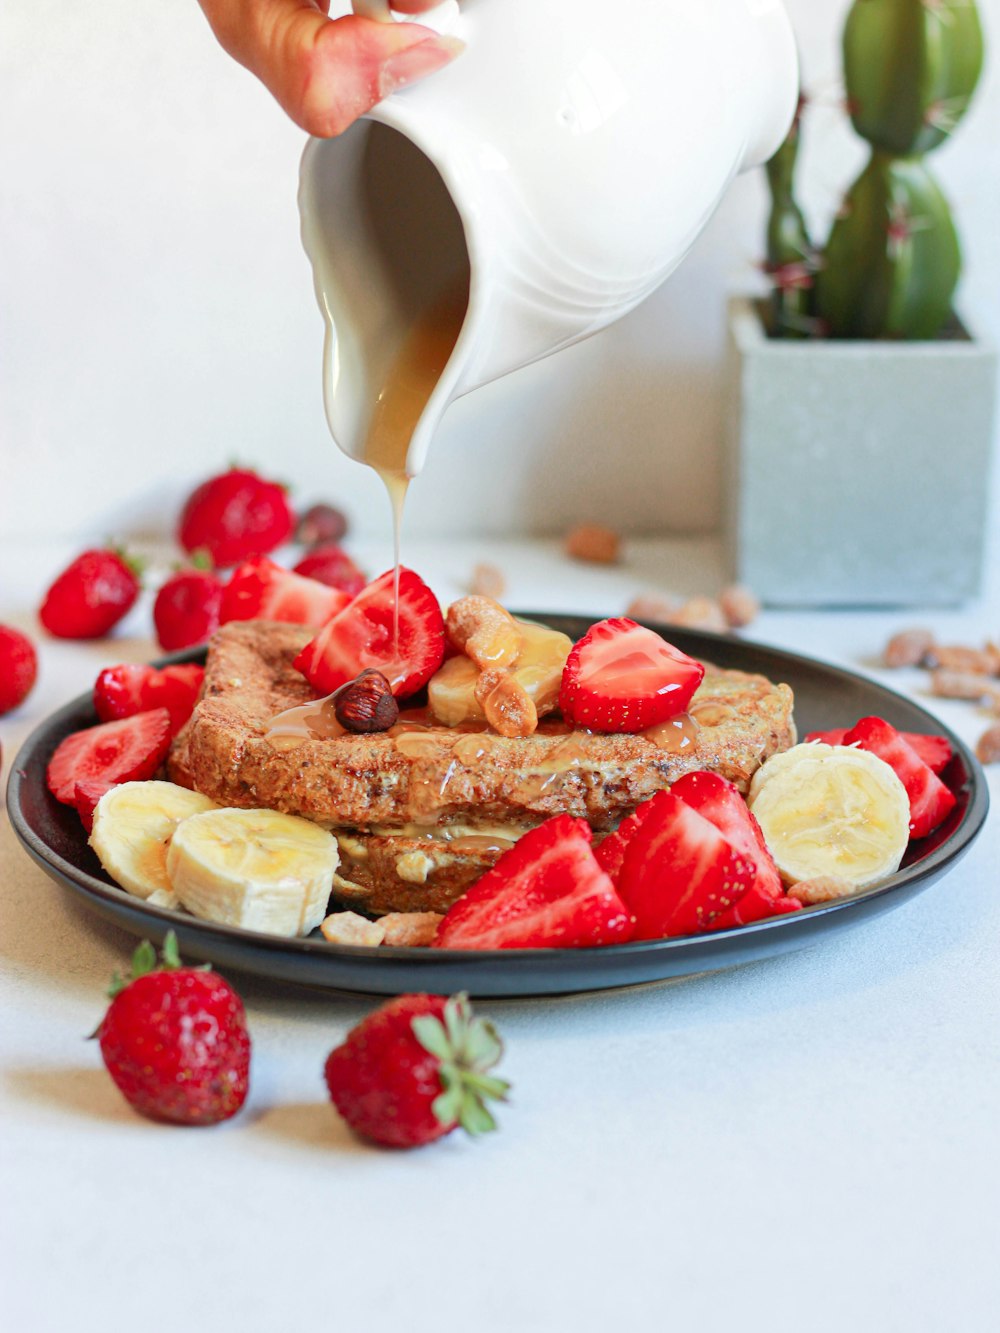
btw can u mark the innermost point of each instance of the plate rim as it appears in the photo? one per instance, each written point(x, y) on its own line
point(89, 886)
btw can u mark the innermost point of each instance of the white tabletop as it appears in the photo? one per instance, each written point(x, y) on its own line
point(804, 1144)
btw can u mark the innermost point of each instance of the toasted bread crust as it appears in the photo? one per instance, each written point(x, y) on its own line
point(357, 782)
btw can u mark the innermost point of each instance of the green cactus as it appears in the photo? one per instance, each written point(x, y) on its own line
point(892, 261)
point(791, 259)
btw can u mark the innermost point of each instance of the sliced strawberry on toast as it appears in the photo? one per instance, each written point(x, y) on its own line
point(363, 635)
point(935, 751)
point(624, 677)
point(679, 872)
point(930, 799)
point(127, 689)
point(547, 892)
point(130, 750)
point(262, 590)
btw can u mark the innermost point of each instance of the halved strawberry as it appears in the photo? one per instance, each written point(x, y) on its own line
point(624, 677)
point(130, 750)
point(362, 635)
point(930, 799)
point(610, 852)
point(123, 691)
point(721, 803)
point(262, 590)
point(935, 751)
point(547, 892)
point(88, 792)
point(679, 872)
point(755, 905)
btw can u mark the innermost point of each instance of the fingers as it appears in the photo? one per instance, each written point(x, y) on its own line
point(325, 73)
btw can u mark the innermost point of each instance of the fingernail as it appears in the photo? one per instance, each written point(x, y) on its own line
point(416, 61)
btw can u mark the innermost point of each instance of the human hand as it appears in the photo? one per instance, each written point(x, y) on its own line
point(326, 72)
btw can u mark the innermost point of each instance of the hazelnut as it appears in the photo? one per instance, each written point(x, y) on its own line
point(988, 746)
point(321, 523)
point(366, 704)
point(652, 606)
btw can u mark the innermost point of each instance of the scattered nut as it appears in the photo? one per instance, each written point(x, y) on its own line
point(652, 606)
point(822, 889)
point(484, 631)
point(365, 704)
point(988, 746)
point(592, 542)
point(701, 613)
point(965, 685)
point(509, 709)
point(957, 657)
point(409, 930)
point(488, 581)
point(739, 606)
point(321, 523)
point(350, 928)
point(908, 648)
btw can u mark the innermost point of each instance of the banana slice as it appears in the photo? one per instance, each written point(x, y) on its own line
point(253, 868)
point(537, 669)
point(133, 825)
point(831, 810)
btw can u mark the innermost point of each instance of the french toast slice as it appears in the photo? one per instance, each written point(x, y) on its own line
point(422, 810)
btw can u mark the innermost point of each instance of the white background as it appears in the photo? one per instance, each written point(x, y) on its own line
point(157, 316)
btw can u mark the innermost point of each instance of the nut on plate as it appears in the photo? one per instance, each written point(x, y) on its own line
point(509, 709)
point(366, 703)
point(484, 631)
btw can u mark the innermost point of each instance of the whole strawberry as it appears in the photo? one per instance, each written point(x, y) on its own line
point(236, 516)
point(91, 595)
point(330, 564)
point(175, 1040)
point(415, 1070)
point(18, 667)
point(186, 610)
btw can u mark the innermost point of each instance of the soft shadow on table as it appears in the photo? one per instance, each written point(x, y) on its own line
point(308, 1125)
point(86, 1092)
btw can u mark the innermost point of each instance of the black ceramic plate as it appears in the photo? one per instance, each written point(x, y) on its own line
point(825, 696)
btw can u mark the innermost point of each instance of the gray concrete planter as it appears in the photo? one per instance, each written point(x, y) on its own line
point(857, 473)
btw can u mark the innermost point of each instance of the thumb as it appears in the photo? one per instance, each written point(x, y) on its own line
point(325, 73)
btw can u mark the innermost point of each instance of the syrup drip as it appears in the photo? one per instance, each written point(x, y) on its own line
point(314, 721)
point(675, 735)
point(411, 379)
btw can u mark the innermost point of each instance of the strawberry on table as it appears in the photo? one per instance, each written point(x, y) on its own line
point(123, 691)
point(91, 595)
point(262, 590)
point(930, 799)
point(416, 1069)
point(624, 677)
point(935, 751)
point(130, 750)
point(18, 668)
point(236, 516)
point(175, 1040)
point(186, 610)
point(546, 892)
point(331, 564)
point(362, 635)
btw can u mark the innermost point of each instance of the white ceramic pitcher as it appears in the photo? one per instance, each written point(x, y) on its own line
point(559, 170)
